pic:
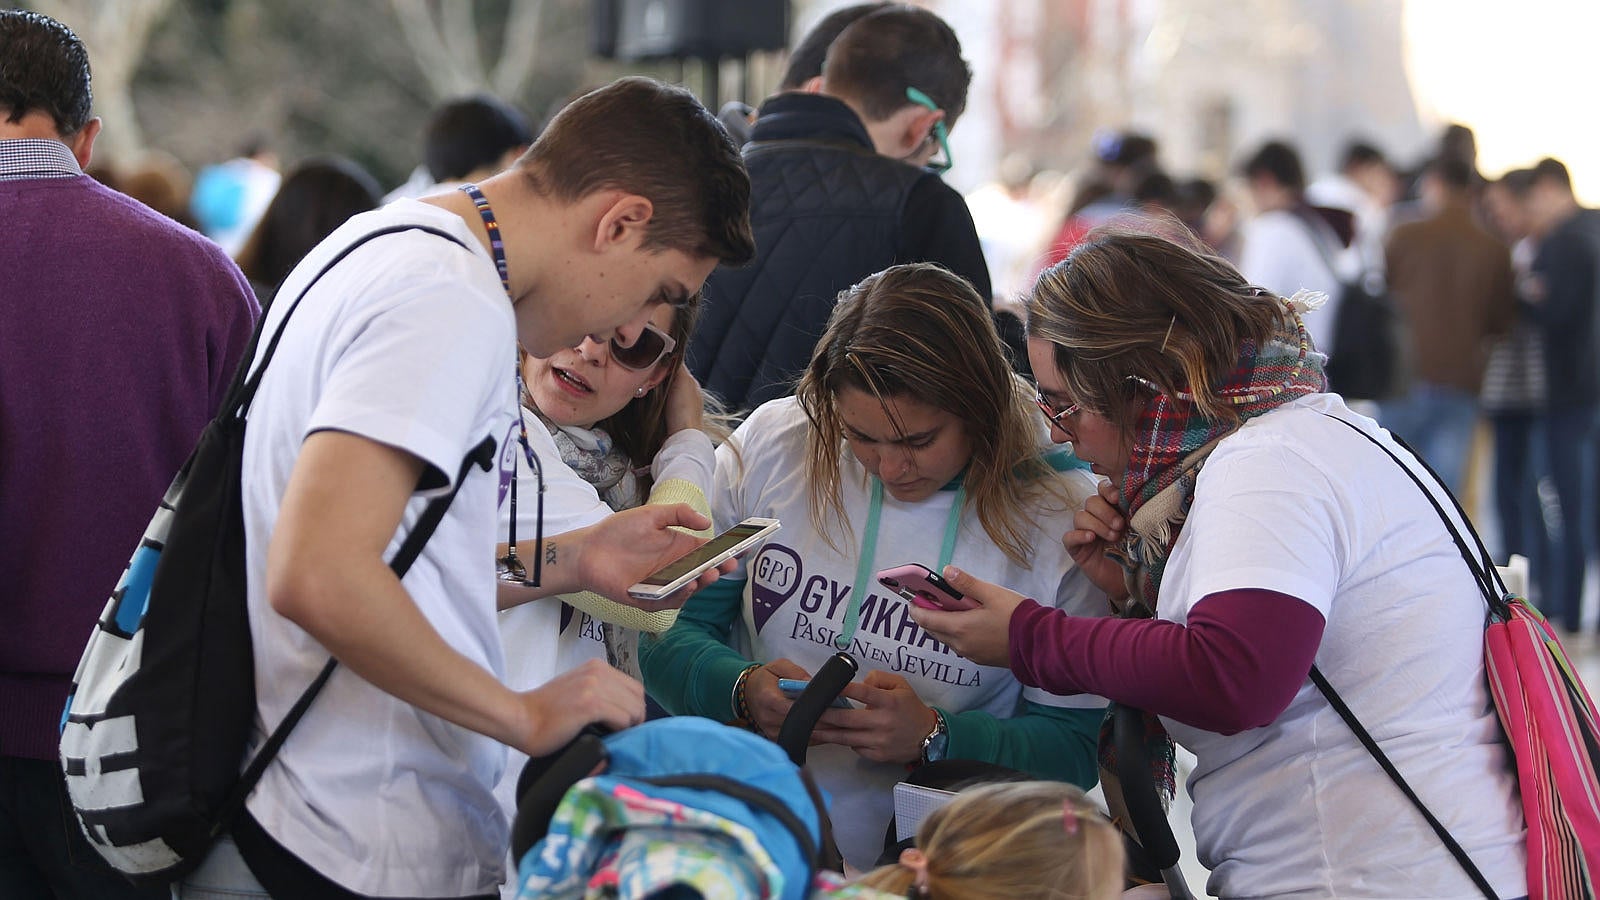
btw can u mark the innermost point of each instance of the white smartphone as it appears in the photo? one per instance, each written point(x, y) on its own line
point(688, 567)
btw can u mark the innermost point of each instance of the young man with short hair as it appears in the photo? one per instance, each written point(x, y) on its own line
point(840, 188)
point(1291, 245)
point(399, 361)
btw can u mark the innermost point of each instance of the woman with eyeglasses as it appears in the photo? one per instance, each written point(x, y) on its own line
point(1260, 532)
point(909, 442)
point(607, 428)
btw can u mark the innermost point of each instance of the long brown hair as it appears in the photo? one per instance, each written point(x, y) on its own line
point(640, 428)
point(1127, 307)
point(1026, 840)
point(917, 331)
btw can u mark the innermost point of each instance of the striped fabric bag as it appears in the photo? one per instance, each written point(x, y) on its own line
point(1548, 718)
point(1555, 736)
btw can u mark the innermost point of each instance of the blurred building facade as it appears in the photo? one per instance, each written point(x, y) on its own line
point(1208, 78)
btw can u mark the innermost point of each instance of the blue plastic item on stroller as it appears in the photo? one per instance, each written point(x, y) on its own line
point(680, 806)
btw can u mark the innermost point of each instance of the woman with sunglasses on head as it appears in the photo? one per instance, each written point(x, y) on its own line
point(909, 441)
point(609, 427)
point(1264, 535)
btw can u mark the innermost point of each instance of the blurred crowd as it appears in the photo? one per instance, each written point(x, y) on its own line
point(649, 319)
point(1488, 282)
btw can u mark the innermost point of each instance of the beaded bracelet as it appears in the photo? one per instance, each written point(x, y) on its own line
point(741, 708)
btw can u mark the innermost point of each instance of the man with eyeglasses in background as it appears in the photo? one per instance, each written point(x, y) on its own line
point(844, 182)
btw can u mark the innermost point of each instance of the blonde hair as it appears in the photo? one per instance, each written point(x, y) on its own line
point(918, 332)
point(1026, 840)
point(1127, 308)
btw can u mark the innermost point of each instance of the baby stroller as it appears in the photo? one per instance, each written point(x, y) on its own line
point(679, 807)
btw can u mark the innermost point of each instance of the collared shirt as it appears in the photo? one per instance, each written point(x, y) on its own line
point(36, 158)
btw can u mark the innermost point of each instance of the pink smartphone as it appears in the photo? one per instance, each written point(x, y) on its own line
point(925, 588)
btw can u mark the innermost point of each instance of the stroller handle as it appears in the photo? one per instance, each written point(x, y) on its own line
point(794, 736)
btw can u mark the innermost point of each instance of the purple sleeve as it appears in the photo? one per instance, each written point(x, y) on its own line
point(236, 311)
point(1236, 665)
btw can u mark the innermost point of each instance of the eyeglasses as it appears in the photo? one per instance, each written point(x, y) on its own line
point(649, 348)
point(509, 568)
point(1055, 415)
point(939, 132)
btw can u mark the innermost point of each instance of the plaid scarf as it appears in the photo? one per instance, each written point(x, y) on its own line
point(1171, 444)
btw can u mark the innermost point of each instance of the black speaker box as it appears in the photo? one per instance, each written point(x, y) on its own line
point(683, 29)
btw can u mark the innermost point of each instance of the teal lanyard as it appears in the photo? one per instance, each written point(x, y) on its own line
point(869, 553)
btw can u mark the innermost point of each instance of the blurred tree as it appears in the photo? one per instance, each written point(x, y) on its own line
point(349, 77)
point(446, 38)
point(115, 32)
point(200, 78)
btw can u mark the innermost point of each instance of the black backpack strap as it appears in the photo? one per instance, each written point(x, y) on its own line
point(240, 393)
point(1484, 582)
point(1449, 841)
point(242, 389)
point(481, 456)
point(1477, 556)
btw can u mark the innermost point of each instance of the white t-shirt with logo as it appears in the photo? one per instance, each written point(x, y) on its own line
point(410, 342)
point(798, 590)
point(1299, 504)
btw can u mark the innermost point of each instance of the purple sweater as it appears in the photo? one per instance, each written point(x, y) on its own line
point(119, 333)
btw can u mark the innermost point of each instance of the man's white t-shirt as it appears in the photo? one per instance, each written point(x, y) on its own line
point(799, 589)
point(409, 342)
point(1279, 253)
point(1297, 503)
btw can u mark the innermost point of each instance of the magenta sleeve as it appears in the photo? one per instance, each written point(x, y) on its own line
point(1236, 665)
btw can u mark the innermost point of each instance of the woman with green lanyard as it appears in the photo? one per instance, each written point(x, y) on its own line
point(909, 441)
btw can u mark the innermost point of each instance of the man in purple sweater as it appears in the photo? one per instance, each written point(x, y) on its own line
point(119, 332)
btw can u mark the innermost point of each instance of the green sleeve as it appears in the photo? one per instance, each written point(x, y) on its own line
point(689, 668)
point(1052, 742)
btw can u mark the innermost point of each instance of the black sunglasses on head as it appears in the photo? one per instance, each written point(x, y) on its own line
point(648, 349)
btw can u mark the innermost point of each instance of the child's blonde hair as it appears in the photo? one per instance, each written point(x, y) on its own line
point(1027, 840)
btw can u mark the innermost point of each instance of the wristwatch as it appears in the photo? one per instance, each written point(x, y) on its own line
point(933, 746)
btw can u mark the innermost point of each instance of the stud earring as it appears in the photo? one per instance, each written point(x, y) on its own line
point(639, 392)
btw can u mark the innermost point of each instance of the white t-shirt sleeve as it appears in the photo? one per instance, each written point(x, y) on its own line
point(689, 455)
point(419, 376)
point(745, 460)
point(1264, 517)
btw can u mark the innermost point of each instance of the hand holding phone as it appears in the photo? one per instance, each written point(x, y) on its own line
point(685, 569)
point(925, 588)
point(794, 687)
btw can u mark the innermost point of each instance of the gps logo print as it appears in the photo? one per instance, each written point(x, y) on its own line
point(774, 577)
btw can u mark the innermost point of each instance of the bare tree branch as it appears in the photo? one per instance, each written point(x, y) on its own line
point(447, 74)
point(519, 48)
point(444, 38)
point(115, 32)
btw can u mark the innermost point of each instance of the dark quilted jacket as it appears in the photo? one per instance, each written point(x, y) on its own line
point(826, 213)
